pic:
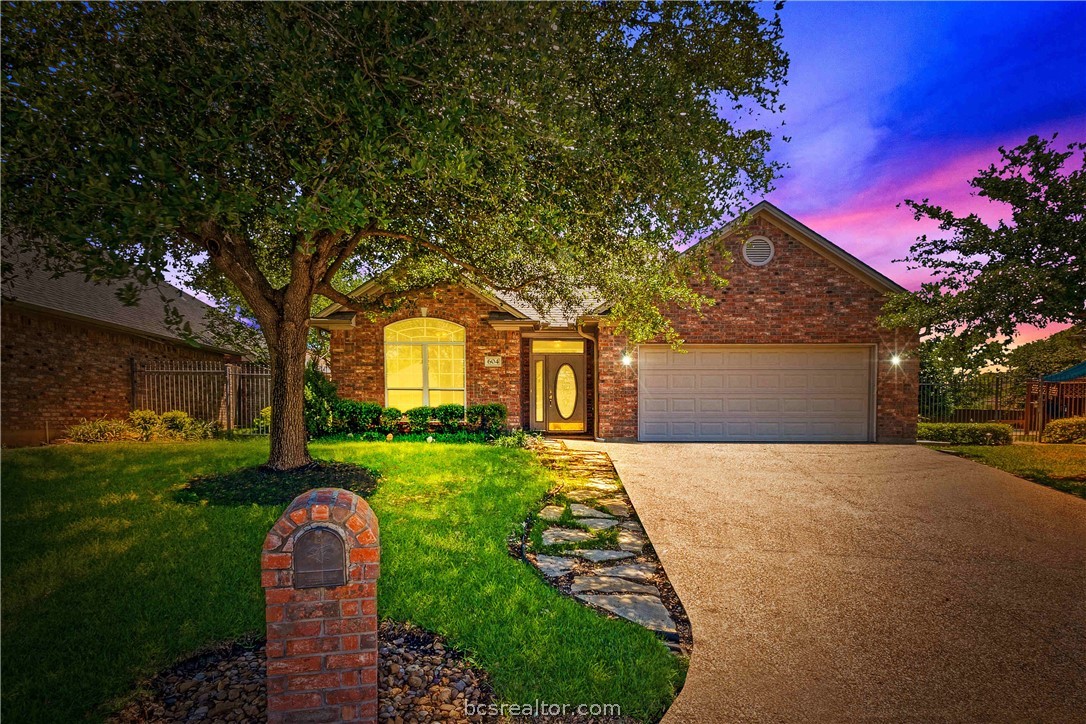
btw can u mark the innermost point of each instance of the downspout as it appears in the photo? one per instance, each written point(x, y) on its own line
point(595, 379)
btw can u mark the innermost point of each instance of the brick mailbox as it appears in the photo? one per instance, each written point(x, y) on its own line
point(320, 566)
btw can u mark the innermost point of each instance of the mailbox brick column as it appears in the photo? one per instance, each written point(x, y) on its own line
point(322, 624)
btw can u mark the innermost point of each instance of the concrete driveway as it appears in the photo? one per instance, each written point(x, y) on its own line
point(861, 582)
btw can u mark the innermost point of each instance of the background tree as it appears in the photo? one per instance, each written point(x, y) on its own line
point(988, 280)
point(1045, 356)
point(267, 149)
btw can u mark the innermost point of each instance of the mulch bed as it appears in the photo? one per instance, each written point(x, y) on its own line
point(420, 679)
point(263, 486)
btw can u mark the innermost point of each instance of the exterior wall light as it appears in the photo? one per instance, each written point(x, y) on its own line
point(896, 360)
point(627, 360)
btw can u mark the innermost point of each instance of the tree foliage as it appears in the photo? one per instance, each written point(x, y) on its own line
point(271, 150)
point(1046, 356)
point(1030, 269)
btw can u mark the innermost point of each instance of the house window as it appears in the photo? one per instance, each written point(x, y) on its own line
point(424, 363)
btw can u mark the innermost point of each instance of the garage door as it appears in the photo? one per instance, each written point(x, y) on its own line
point(755, 393)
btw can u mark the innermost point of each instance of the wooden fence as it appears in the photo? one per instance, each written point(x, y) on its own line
point(231, 395)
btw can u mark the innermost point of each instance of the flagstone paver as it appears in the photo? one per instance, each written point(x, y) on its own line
point(553, 536)
point(608, 584)
point(636, 571)
point(597, 523)
point(583, 511)
point(551, 512)
point(630, 541)
point(554, 566)
point(616, 506)
point(639, 608)
point(596, 556)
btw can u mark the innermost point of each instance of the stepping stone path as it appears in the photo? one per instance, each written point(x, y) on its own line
point(616, 581)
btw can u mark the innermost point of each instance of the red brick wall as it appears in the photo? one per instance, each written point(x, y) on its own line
point(800, 297)
point(358, 357)
point(58, 371)
point(322, 642)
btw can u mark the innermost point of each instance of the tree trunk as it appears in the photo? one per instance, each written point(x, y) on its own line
point(288, 434)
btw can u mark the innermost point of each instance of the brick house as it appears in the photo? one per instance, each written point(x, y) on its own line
point(69, 348)
point(792, 351)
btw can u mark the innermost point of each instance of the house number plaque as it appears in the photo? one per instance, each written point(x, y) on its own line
point(492, 361)
point(319, 561)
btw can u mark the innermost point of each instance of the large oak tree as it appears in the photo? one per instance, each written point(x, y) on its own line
point(268, 149)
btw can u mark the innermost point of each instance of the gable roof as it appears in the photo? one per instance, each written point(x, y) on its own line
point(72, 296)
point(824, 246)
point(522, 310)
point(1073, 372)
point(811, 238)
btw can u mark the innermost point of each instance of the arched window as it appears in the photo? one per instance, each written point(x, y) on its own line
point(424, 363)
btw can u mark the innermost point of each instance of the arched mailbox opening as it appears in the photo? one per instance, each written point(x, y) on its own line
point(320, 560)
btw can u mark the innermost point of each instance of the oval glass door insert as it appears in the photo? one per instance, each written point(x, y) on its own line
point(565, 391)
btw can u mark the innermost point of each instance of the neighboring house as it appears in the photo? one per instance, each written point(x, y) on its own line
point(1074, 373)
point(792, 351)
point(70, 347)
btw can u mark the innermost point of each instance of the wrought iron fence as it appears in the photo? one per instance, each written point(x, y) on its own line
point(1027, 406)
point(230, 394)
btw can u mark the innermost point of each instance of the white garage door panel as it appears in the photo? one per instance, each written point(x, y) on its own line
point(811, 393)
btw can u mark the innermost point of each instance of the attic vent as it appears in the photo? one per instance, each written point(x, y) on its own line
point(758, 251)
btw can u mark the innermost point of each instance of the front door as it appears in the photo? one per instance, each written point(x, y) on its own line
point(558, 392)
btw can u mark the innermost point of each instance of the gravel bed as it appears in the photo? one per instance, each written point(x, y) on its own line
point(420, 680)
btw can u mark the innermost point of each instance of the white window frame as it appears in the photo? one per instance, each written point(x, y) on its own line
point(425, 362)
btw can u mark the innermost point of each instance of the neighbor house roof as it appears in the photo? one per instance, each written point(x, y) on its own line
point(333, 316)
point(74, 297)
point(1073, 372)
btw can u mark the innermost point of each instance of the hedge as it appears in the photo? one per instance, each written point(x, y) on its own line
point(1068, 430)
point(965, 433)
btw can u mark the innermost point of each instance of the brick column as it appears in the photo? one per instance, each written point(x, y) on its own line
point(322, 609)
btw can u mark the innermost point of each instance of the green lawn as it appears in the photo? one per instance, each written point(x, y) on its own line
point(1062, 467)
point(108, 579)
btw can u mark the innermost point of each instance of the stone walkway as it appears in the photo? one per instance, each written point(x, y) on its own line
point(587, 541)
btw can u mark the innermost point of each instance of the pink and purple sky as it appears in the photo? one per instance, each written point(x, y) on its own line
point(893, 100)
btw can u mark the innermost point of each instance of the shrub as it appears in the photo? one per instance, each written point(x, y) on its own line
point(518, 439)
point(175, 421)
point(320, 400)
point(451, 417)
point(390, 418)
point(263, 420)
point(102, 431)
point(179, 425)
point(965, 433)
point(356, 417)
point(489, 418)
point(419, 418)
point(146, 423)
point(1067, 430)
